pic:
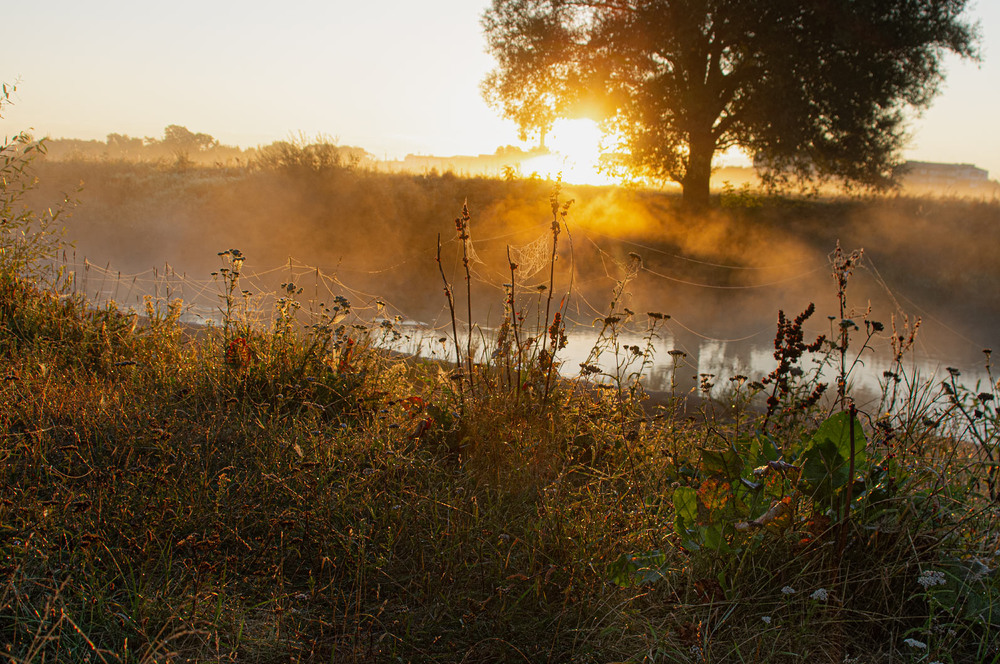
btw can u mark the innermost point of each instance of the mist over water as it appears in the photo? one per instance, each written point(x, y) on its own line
point(722, 277)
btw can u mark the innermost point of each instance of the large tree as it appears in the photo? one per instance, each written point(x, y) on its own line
point(817, 87)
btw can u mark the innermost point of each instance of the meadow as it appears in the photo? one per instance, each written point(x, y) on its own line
point(283, 485)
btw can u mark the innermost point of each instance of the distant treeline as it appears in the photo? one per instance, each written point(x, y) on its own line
point(180, 146)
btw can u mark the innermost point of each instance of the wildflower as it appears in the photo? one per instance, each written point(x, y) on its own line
point(788, 590)
point(557, 332)
point(766, 619)
point(238, 353)
point(913, 643)
point(929, 578)
point(821, 595)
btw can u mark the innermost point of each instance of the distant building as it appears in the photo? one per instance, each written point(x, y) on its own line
point(945, 178)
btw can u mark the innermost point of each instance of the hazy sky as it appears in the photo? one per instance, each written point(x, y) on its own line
point(392, 76)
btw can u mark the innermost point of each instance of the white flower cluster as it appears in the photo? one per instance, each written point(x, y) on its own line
point(913, 643)
point(788, 590)
point(930, 578)
point(821, 594)
point(766, 619)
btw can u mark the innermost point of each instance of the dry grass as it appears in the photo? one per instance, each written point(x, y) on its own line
point(303, 495)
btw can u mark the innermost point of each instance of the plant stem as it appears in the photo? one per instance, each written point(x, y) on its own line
point(451, 309)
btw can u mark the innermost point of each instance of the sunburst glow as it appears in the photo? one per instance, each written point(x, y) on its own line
point(576, 147)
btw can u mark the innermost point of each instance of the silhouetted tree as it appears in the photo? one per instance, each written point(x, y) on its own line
point(122, 145)
point(819, 88)
point(182, 141)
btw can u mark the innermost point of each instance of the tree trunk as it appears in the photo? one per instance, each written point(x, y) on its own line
point(699, 171)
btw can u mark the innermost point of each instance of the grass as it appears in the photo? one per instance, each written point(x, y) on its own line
point(295, 492)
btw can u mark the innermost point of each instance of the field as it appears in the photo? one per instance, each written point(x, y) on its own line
point(283, 485)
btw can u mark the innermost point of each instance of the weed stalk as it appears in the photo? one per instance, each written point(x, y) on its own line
point(451, 309)
point(462, 226)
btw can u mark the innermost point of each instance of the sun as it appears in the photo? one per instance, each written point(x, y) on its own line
point(576, 148)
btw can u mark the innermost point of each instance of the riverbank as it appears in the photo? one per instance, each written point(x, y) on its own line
point(279, 487)
point(722, 276)
point(297, 494)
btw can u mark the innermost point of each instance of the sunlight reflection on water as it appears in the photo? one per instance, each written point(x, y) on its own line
point(722, 360)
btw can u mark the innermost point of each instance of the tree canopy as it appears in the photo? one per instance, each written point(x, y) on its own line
point(184, 141)
point(817, 88)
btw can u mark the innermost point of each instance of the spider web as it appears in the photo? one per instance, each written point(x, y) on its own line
point(470, 251)
point(532, 257)
point(631, 266)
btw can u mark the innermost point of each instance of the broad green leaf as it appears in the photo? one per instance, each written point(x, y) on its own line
point(970, 591)
point(714, 495)
point(826, 458)
point(757, 449)
point(837, 429)
point(824, 471)
point(636, 569)
point(713, 537)
point(685, 510)
point(723, 463)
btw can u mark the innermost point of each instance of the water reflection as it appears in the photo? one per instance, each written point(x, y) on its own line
point(722, 360)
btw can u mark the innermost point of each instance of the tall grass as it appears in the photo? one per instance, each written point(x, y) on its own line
point(294, 492)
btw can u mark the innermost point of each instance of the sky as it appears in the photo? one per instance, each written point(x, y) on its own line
point(392, 76)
